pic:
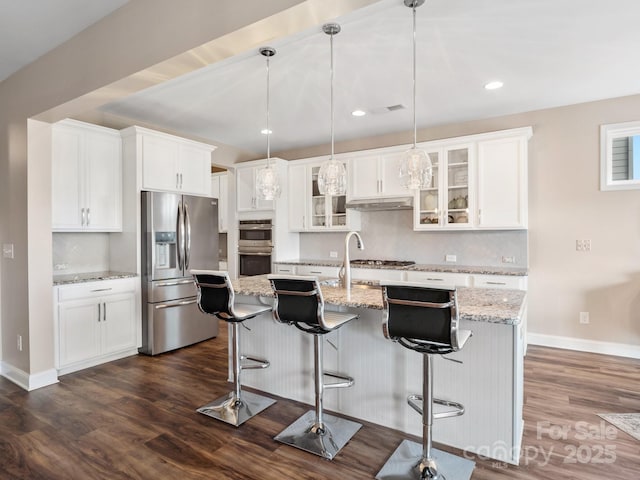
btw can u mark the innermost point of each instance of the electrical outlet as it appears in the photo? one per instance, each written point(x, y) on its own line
point(583, 245)
point(450, 258)
point(333, 254)
point(584, 318)
point(19, 343)
point(508, 259)
point(7, 250)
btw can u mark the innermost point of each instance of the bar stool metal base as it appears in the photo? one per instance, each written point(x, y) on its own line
point(301, 434)
point(229, 410)
point(405, 464)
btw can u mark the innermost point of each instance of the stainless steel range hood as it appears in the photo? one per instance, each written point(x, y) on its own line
point(377, 204)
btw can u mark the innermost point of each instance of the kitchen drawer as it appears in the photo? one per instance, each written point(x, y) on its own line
point(376, 274)
point(96, 289)
point(285, 269)
point(444, 278)
point(500, 281)
point(318, 271)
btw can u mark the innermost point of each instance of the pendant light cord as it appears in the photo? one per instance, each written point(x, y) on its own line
point(332, 114)
point(268, 130)
point(415, 128)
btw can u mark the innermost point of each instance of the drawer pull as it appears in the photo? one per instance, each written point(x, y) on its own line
point(311, 271)
point(436, 279)
point(102, 289)
point(495, 283)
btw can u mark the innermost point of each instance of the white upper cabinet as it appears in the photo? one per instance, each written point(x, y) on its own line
point(447, 202)
point(246, 195)
point(172, 164)
point(502, 183)
point(86, 178)
point(375, 176)
point(219, 190)
point(309, 211)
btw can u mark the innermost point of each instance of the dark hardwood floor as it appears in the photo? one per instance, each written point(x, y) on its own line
point(135, 418)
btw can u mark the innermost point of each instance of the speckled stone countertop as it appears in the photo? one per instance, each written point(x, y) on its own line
point(476, 304)
point(479, 270)
point(89, 277)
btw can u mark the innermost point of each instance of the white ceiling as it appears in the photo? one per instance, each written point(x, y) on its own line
point(30, 28)
point(547, 52)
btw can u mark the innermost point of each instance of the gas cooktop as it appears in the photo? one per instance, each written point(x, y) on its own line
point(385, 263)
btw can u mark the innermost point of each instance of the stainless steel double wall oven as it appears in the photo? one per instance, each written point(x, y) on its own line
point(255, 247)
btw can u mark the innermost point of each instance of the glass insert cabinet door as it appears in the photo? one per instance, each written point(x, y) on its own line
point(446, 202)
point(326, 211)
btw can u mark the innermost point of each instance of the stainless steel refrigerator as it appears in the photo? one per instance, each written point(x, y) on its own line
point(179, 233)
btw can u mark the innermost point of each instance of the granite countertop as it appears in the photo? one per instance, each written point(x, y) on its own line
point(479, 270)
point(90, 277)
point(476, 304)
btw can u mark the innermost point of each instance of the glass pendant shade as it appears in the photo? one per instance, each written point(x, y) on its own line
point(416, 169)
point(332, 176)
point(267, 181)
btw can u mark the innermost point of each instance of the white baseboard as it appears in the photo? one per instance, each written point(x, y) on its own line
point(26, 381)
point(582, 345)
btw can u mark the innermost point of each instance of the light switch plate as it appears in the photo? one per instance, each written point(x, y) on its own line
point(450, 258)
point(7, 250)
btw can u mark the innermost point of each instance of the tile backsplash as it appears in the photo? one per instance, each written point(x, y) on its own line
point(80, 252)
point(390, 236)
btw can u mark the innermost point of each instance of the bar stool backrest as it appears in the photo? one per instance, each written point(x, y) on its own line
point(299, 302)
point(215, 293)
point(424, 319)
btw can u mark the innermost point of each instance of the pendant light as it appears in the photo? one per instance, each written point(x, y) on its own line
point(332, 177)
point(416, 169)
point(267, 181)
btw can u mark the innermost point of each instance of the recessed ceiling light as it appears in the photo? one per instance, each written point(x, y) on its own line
point(358, 113)
point(494, 85)
point(265, 131)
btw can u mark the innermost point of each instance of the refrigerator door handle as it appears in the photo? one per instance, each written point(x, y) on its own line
point(187, 229)
point(177, 304)
point(180, 233)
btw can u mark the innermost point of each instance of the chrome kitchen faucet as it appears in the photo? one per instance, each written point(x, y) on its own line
point(345, 271)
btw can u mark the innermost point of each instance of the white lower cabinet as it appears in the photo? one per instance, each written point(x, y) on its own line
point(500, 281)
point(319, 271)
point(96, 322)
point(439, 278)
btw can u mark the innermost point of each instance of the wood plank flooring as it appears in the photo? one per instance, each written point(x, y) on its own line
point(135, 419)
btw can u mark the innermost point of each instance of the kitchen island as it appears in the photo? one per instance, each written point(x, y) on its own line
point(486, 376)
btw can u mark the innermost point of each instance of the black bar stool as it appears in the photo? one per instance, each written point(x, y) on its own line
point(424, 319)
point(299, 302)
point(216, 297)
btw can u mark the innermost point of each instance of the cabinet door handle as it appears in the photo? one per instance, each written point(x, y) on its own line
point(99, 313)
point(82, 217)
point(479, 215)
point(177, 181)
point(88, 216)
point(180, 181)
point(104, 312)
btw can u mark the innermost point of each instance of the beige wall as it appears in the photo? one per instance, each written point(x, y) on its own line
point(565, 204)
point(141, 44)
